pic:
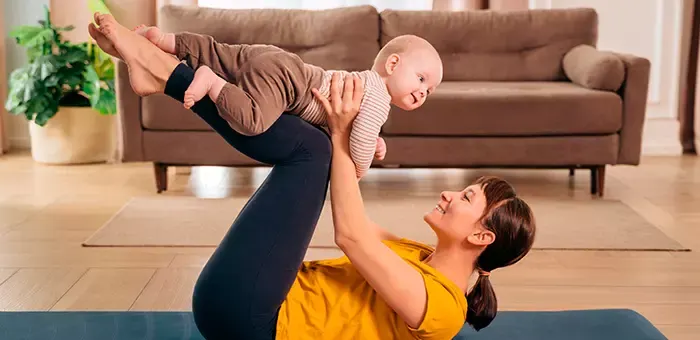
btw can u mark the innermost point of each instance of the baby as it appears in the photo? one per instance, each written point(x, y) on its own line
point(263, 81)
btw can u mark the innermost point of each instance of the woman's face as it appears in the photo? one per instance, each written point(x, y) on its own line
point(457, 214)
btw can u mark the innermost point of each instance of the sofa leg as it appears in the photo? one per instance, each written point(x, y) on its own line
point(571, 172)
point(161, 172)
point(598, 180)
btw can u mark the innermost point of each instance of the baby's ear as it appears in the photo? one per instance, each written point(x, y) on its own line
point(391, 62)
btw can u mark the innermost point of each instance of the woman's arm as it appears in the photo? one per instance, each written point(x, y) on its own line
point(399, 284)
point(383, 233)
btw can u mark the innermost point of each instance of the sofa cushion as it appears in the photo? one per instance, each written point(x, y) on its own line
point(510, 109)
point(497, 45)
point(589, 67)
point(339, 38)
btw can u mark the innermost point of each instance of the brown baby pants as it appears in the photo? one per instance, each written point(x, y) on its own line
point(264, 81)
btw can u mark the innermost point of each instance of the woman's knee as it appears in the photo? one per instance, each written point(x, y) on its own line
point(318, 144)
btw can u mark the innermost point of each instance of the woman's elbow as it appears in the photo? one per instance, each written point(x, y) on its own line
point(344, 241)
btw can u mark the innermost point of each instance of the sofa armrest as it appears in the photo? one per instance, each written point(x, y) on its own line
point(589, 67)
point(129, 108)
point(634, 93)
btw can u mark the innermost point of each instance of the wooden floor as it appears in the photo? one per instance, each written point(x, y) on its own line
point(47, 211)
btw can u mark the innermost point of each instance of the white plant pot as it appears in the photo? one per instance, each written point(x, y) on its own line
point(75, 135)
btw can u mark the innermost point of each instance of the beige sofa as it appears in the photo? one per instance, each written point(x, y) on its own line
point(523, 89)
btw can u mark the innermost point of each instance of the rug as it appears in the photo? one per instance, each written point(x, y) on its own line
point(603, 324)
point(172, 221)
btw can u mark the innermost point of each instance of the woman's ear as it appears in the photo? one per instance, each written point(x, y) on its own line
point(482, 237)
point(391, 63)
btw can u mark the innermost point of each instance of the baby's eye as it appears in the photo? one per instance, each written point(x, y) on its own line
point(421, 78)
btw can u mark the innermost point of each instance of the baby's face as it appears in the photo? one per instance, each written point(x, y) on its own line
point(413, 78)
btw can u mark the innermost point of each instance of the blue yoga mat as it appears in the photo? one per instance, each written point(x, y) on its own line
point(610, 324)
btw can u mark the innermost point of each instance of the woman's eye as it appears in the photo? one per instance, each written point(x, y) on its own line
point(466, 197)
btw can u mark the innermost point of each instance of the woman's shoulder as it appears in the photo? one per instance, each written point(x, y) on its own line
point(407, 246)
point(415, 253)
point(447, 304)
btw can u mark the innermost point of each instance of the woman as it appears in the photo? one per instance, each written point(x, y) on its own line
point(256, 285)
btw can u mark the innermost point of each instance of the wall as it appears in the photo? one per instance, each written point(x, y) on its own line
point(72, 12)
point(4, 143)
point(25, 12)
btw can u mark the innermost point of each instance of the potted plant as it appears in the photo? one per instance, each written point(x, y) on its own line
point(67, 93)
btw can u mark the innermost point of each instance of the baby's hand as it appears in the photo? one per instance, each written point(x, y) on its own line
point(380, 152)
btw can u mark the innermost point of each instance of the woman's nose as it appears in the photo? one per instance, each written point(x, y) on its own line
point(445, 195)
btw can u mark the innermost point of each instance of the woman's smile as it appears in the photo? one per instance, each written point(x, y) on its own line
point(440, 209)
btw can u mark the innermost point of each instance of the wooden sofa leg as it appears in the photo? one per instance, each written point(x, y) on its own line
point(161, 172)
point(598, 180)
point(571, 172)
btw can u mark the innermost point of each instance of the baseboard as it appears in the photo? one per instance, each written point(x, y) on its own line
point(20, 143)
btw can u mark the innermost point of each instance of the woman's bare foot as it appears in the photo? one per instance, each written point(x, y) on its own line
point(102, 41)
point(149, 67)
point(205, 82)
point(164, 41)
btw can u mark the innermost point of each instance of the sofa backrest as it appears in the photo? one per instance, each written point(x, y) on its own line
point(338, 39)
point(497, 45)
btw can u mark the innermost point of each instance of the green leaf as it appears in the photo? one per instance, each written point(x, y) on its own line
point(47, 69)
point(27, 91)
point(91, 87)
point(73, 54)
point(20, 109)
point(107, 103)
point(43, 117)
point(72, 80)
point(37, 40)
point(51, 81)
point(14, 104)
point(31, 35)
point(98, 6)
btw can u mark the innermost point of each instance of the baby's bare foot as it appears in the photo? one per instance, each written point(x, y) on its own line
point(205, 82)
point(380, 151)
point(164, 41)
point(149, 67)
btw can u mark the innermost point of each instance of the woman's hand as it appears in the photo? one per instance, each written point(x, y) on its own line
point(343, 106)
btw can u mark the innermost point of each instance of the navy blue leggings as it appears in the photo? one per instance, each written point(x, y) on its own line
point(239, 292)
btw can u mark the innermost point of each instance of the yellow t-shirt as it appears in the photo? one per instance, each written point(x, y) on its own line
point(331, 300)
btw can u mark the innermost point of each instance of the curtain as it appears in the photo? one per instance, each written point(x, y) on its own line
point(689, 93)
point(4, 145)
point(500, 5)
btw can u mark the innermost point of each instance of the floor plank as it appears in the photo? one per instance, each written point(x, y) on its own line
point(105, 289)
point(37, 289)
point(170, 289)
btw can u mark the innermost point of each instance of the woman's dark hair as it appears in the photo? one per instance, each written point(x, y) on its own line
point(513, 223)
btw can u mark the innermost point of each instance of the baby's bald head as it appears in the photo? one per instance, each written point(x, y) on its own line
point(406, 45)
point(412, 69)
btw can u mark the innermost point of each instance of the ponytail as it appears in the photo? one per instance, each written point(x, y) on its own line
point(512, 223)
point(481, 303)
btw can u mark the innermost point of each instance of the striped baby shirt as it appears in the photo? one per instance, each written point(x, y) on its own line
point(374, 111)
